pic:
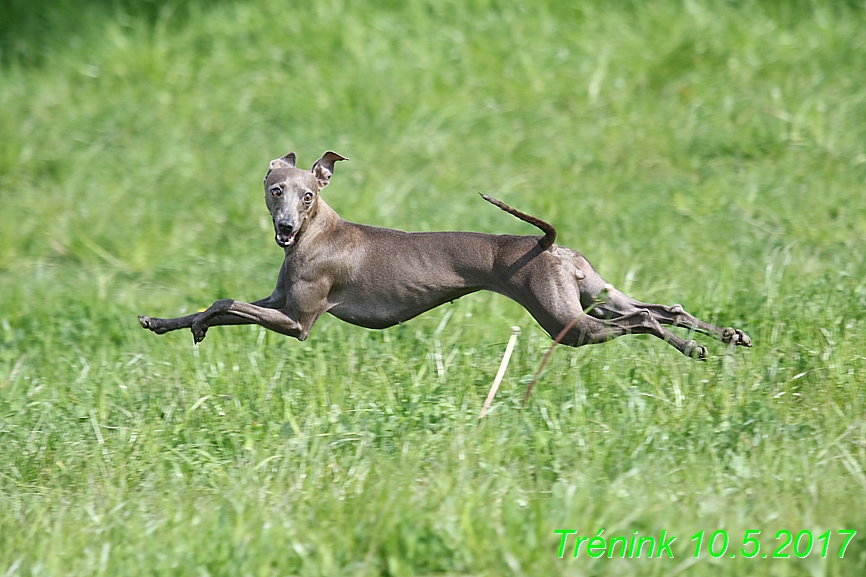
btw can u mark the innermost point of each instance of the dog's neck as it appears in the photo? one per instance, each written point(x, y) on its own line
point(320, 224)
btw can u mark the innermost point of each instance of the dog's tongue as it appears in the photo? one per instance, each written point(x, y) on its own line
point(286, 239)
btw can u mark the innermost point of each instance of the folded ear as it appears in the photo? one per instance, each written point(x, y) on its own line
point(288, 161)
point(324, 167)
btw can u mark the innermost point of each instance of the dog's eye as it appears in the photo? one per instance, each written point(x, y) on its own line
point(276, 191)
point(308, 197)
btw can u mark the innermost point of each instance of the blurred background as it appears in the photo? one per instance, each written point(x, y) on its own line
point(710, 153)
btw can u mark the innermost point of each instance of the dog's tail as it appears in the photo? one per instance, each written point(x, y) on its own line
point(549, 232)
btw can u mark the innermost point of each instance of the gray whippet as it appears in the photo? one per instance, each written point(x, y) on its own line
point(379, 277)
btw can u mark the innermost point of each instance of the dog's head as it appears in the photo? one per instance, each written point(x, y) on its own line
point(291, 193)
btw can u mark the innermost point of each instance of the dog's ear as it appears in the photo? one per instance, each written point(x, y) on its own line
point(288, 161)
point(324, 167)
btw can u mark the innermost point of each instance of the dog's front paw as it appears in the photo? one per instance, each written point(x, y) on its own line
point(199, 332)
point(151, 324)
point(736, 337)
point(696, 351)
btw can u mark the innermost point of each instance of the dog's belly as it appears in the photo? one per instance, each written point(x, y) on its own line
point(381, 309)
point(545, 284)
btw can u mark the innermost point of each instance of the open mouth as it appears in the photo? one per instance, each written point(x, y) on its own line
point(286, 240)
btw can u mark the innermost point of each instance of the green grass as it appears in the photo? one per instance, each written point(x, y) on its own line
point(707, 153)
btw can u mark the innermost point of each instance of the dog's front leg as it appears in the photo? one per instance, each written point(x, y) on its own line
point(293, 312)
point(276, 300)
point(162, 326)
point(277, 320)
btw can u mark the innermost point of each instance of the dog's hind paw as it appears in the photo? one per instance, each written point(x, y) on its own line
point(696, 351)
point(736, 337)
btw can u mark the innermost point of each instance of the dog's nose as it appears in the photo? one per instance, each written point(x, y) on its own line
point(284, 226)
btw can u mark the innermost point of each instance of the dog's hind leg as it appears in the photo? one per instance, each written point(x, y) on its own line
point(590, 330)
point(603, 301)
point(619, 303)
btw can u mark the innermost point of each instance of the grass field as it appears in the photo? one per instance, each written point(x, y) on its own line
point(706, 153)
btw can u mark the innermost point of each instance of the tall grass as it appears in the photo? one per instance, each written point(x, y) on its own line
point(708, 153)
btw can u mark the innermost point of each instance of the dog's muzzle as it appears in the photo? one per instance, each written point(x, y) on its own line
point(286, 233)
